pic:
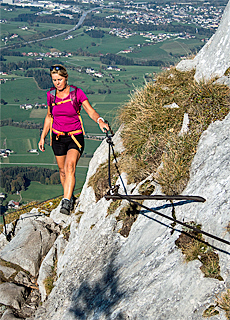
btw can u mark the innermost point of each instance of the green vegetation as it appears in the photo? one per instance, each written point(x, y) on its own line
point(15, 179)
point(194, 247)
point(128, 215)
point(115, 204)
point(107, 94)
point(222, 302)
point(49, 281)
point(151, 131)
point(146, 188)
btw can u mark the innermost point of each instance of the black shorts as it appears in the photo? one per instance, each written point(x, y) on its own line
point(65, 143)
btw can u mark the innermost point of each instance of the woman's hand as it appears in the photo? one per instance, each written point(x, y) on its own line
point(41, 145)
point(95, 116)
point(103, 126)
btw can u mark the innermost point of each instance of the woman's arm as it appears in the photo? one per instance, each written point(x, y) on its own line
point(45, 131)
point(94, 115)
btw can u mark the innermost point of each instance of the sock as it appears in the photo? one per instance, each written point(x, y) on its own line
point(65, 199)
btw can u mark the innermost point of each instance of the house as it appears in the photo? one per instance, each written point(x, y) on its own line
point(13, 204)
point(2, 195)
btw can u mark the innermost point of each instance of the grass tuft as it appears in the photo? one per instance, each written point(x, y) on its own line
point(49, 281)
point(223, 302)
point(99, 181)
point(113, 206)
point(194, 247)
point(128, 215)
point(210, 311)
point(146, 188)
point(150, 133)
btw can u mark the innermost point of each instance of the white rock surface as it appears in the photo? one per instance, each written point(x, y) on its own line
point(105, 276)
point(55, 253)
point(171, 106)
point(185, 125)
point(9, 315)
point(12, 295)
point(35, 235)
point(214, 58)
point(7, 271)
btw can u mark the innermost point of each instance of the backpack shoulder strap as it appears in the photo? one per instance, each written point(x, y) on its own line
point(51, 96)
point(73, 96)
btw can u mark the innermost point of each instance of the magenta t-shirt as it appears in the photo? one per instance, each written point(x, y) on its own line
point(65, 117)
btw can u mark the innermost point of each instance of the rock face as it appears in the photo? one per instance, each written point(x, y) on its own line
point(103, 275)
point(33, 234)
point(100, 273)
point(214, 58)
point(12, 295)
point(34, 237)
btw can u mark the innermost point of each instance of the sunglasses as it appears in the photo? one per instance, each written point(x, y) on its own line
point(56, 68)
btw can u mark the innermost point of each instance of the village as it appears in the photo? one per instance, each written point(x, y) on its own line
point(204, 16)
point(137, 13)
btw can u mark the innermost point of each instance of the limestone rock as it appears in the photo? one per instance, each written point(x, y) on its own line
point(186, 65)
point(144, 276)
point(23, 279)
point(214, 58)
point(48, 264)
point(185, 125)
point(3, 241)
point(59, 218)
point(9, 315)
point(7, 271)
point(171, 106)
point(12, 295)
point(31, 243)
point(223, 80)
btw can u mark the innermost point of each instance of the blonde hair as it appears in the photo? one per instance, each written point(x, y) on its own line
point(58, 69)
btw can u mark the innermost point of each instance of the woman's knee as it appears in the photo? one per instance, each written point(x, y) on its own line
point(62, 173)
point(70, 168)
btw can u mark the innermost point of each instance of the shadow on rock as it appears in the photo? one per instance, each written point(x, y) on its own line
point(98, 298)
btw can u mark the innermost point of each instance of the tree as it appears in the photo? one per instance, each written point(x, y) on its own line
point(3, 102)
point(55, 178)
point(7, 187)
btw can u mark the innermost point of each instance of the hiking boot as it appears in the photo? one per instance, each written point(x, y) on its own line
point(72, 202)
point(65, 206)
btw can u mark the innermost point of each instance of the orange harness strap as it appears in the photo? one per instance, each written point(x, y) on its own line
point(80, 118)
point(71, 133)
point(51, 127)
point(60, 102)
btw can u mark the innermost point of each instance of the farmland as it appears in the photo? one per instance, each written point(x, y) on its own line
point(106, 93)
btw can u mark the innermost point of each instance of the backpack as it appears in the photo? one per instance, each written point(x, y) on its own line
point(51, 97)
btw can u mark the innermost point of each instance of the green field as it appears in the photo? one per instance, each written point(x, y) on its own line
point(20, 90)
point(21, 140)
point(25, 90)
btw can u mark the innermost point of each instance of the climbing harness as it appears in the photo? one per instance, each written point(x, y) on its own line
point(71, 134)
point(113, 194)
point(52, 97)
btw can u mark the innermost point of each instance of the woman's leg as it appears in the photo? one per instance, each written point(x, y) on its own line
point(61, 166)
point(70, 164)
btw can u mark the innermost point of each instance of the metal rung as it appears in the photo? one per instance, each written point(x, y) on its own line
point(156, 197)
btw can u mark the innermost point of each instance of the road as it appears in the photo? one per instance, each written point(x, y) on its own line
point(59, 34)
